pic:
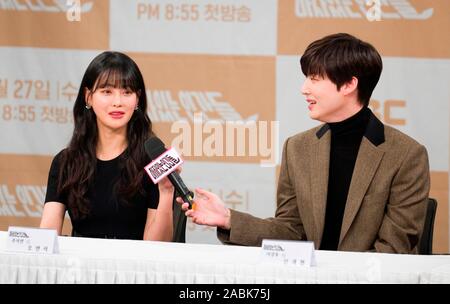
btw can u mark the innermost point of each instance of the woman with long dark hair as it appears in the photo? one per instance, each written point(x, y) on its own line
point(99, 178)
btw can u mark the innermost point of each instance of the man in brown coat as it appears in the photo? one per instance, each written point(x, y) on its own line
point(351, 184)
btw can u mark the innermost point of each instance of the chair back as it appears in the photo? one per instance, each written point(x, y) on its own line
point(426, 241)
point(179, 223)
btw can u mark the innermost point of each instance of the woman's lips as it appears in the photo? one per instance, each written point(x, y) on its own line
point(117, 114)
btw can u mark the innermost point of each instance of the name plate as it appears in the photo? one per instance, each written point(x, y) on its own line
point(32, 240)
point(297, 253)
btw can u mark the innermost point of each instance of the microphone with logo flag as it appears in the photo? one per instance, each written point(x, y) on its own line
point(164, 163)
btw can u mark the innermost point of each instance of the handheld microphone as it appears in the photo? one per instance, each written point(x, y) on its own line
point(154, 148)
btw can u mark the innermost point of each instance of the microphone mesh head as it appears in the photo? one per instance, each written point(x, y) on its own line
point(154, 147)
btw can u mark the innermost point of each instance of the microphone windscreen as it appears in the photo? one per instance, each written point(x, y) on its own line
point(154, 147)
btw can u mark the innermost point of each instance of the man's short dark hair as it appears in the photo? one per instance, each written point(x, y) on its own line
point(341, 57)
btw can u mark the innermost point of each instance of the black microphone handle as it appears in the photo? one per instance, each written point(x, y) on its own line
point(180, 187)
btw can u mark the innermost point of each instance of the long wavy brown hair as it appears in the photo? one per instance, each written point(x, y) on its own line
point(78, 161)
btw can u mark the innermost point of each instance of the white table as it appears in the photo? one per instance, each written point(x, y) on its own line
point(84, 260)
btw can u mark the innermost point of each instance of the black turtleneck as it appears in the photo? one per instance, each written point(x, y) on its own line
point(346, 138)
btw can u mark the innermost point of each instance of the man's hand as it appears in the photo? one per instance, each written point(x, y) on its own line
point(208, 209)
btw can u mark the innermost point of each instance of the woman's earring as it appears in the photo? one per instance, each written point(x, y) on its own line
point(137, 108)
point(88, 107)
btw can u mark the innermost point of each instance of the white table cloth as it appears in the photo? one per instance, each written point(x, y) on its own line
point(84, 260)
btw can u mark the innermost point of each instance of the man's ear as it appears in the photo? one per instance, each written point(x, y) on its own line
point(350, 87)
